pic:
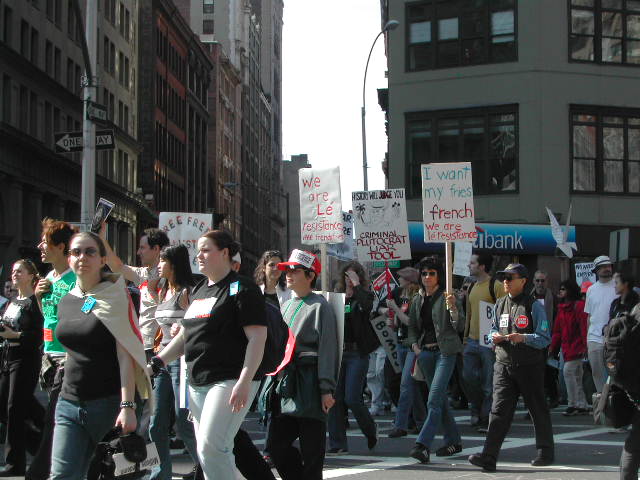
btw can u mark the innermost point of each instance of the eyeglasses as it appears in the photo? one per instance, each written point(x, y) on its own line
point(89, 251)
point(562, 289)
point(540, 280)
point(431, 273)
point(508, 278)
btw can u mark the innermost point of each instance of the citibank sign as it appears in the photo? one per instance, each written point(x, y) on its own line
point(499, 237)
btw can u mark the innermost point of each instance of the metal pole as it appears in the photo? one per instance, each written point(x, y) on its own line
point(88, 196)
point(363, 112)
point(288, 225)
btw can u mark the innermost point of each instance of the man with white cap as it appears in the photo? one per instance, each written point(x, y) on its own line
point(599, 298)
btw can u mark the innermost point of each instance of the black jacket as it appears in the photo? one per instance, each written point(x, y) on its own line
point(619, 308)
point(361, 305)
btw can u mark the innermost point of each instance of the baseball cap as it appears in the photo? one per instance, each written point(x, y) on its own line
point(300, 258)
point(515, 268)
point(600, 261)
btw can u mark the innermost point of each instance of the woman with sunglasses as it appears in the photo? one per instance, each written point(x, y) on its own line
point(435, 322)
point(22, 334)
point(105, 366)
point(270, 279)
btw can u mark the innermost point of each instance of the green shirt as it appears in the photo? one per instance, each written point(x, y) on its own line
point(59, 288)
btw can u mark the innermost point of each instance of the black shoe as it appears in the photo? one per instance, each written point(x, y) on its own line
point(176, 444)
point(420, 453)
point(12, 471)
point(570, 412)
point(448, 450)
point(397, 433)
point(542, 460)
point(337, 451)
point(372, 441)
point(483, 461)
point(553, 403)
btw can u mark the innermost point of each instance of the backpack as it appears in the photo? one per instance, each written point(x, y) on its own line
point(622, 352)
point(277, 337)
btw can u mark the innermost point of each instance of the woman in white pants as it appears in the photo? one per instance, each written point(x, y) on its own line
point(223, 337)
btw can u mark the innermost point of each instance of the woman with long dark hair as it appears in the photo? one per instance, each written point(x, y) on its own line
point(175, 269)
point(570, 334)
point(270, 279)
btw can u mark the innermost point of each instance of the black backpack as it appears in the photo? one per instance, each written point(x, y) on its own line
point(277, 337)
point(622, 352)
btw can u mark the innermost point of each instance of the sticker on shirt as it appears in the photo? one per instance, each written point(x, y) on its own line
point(233, 288)
point(522, 321)
point(201, 308)
point(504, 320)
point(544, 326)
point(88, 305)
point(48, 335)
point(347, 308)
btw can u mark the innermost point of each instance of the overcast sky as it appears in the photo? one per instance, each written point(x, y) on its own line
point(325, 48)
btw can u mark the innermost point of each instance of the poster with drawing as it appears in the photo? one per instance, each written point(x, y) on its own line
point(382, 232)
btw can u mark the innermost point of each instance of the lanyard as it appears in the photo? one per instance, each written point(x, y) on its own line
point(295, 312)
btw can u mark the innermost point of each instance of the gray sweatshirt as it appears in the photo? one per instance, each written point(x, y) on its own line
point(315, 327)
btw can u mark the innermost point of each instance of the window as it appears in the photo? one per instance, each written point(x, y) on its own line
point(58, 12)
point(605, 31)
point(605, 150)
point(48, 58)
point(460, 32)
point(23, 109)
point(6, 98)
point(125, 125)
point(71, 21)
point(121, 19)
point(48, 123)
point(49, 9)
point(7, 25)
point(120, 114)
point(56, 63)
point(207, 27)
point(207, 6)
point(120, 68)
point(105, 53)
point(24, 39)
point(112, 58)
point(33, 115)
point(487, 137)
point(126, 73)
point(35, 44)
point(70, 85)
point(127, 24)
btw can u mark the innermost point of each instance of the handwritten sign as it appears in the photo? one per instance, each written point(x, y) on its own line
point(461, 258)
point(186, 229)
point(382, 232)
point(447, 203)
point(387, 339)
point(584, 273)
point(485, 315)
point(320, 206)
point(346, 250)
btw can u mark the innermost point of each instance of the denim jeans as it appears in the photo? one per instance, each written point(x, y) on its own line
point(410, 396)
point(165, 395)
point(437, 369)
point(375, 378)
point(353, 373)
point(477, 373)
point(79, 426)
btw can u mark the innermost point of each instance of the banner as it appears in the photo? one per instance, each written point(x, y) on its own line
point(186, 229)
point(584, 273)
point(447, 203)
point(320, 206)
point(461, 258)
point(345, 251)
point(486, 314)
point(382, 232)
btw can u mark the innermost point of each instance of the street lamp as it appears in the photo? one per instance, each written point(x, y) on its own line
point(390, 25)
point(232, 185)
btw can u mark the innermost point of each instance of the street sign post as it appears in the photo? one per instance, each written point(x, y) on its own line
point(69, 142)
point(95, 111)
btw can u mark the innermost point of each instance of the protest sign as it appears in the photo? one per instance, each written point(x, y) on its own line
point(382, 232)
point(387, 339)
point(584, 273)
point(447, 203)
point(383, 285)
point(320, 206)
point(345, 251)
point(486, 314)
point(186, 228)
point(461, 258)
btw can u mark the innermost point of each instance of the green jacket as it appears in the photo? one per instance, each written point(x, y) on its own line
point(448, 330)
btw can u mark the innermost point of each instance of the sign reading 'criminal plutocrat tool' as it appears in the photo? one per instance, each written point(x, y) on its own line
point(381, 225)
point(320, 206)
point(447, 202)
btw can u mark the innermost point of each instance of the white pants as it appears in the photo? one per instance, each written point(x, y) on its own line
point(375, 377)
point(216, 426)
point(573, 380)
point(596, 360)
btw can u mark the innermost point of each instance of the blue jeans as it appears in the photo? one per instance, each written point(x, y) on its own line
point(410, 397)
point(165, 394)
point(437, 369)
point(353, 373)
point(477, 373)
point(79, 426)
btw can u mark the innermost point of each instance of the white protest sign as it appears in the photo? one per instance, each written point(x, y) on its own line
point(447, 203)
point(320, 206)
point(485, 315)
point(186, 228)
point(346, 250)
point(461, 258)
point(124, 466)
point(387, 339)
point(584, 272)
point(382, 231)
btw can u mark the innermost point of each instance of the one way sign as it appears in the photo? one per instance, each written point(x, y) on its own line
point(68, 142)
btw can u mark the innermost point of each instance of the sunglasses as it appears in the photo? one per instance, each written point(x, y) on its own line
point(562, 289)
point(508, 278)
point(540, 280)
point(428, 274)
point(89, 251)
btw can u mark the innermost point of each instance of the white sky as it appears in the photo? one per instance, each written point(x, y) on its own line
point(324, 52)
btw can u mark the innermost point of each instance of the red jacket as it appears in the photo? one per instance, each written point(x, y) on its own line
point(570, 331)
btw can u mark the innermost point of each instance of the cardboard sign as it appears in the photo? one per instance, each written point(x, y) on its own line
point(380, 283)
point(382, 232)
point(486, 315)
point(584, 273)
point(447, 203)
point(345, 251)
point(124, 466)
point(387, 339)
point(320, 206)
point(461, 258)
point(185, 229)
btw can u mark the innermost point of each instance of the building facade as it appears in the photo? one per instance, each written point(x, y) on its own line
point(539, 97)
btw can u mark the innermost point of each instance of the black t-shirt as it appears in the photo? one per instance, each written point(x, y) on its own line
point(427, 322)
point(23, 315)
point(92, 370)
point(273, 298)
point(215, 342)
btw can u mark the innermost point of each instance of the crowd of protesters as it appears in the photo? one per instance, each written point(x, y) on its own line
point(105, 364)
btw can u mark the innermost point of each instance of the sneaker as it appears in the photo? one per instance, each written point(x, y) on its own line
point(483, 461)
point(571, 411)
point(337, 451)
point(420, 453)
point(448, 450)
point(397, 433)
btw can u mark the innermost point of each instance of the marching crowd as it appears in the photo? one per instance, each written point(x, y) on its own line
point(104, 340)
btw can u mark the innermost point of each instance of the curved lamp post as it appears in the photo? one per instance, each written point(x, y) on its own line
point(390, 25)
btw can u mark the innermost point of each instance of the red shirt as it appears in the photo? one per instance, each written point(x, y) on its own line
point(570, 331)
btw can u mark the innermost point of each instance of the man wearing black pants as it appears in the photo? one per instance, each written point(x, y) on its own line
point(521, 334)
